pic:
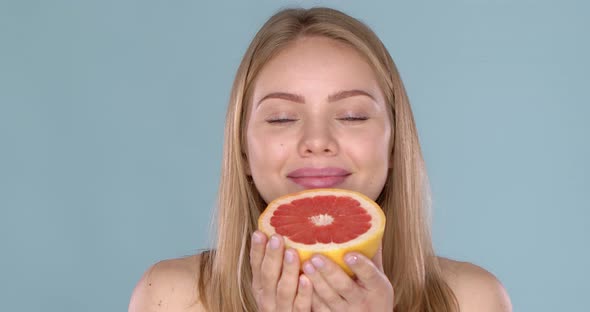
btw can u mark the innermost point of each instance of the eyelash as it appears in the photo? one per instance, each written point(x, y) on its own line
point(280, 120)
point(354, 118)
point(285, 120)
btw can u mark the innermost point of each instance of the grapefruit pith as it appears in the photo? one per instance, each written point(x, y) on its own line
point(330, 222)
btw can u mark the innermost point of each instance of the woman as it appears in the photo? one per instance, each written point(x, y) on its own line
point(318, 102)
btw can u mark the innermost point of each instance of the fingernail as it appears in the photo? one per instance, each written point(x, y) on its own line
point(318, 262)
point(257, 238)
point(289, 256)
point(302, 281)
point(351, 259)
point(274, 242)
point(308, 268)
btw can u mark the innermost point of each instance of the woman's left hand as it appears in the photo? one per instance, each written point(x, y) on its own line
point(334, 290)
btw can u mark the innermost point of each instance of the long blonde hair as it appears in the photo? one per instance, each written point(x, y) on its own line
point(409, 260)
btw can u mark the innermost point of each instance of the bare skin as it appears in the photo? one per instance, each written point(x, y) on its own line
point(171, 286)
point(333, 289)
point(311, 112)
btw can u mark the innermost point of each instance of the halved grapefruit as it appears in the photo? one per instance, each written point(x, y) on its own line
point(330, 222)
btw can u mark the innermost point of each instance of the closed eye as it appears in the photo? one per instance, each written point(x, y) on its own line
point(354, 118)
point(280, 120)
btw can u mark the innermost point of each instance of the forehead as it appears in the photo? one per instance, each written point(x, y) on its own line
point(316, 66)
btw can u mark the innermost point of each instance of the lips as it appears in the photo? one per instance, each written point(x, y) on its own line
point(318, 177)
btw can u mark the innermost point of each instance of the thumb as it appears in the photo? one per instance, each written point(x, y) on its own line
point(378, 258)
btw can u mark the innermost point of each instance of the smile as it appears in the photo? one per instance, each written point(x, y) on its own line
point(319, 177)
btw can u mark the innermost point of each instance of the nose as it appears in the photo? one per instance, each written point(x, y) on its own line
point(317, 140)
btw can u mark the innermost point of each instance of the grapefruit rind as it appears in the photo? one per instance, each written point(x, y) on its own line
point(367, 243)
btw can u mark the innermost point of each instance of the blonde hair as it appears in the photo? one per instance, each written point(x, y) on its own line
point(409, 260)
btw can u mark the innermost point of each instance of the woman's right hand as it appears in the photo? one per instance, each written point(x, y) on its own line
point(276, 283)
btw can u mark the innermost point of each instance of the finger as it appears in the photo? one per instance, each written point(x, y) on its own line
point(271, 270)
point(337, 279)
point(321, 287)
point(317, 304)
point(366, 272)
point(303, 299)
point(287, 285)
point(378, 259)
point(256, 256)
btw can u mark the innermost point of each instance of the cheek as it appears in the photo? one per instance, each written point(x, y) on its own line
point(265, 152)
point(371, 152)
point(371, 149)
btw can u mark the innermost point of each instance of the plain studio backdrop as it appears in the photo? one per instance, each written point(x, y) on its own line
point(111, 121)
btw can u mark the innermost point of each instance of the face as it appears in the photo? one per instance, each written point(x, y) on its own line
point(317, 119)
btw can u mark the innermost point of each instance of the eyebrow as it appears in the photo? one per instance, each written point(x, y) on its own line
point(348, 93)
point(340, 95)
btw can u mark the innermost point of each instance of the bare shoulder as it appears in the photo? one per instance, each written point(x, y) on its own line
point(169, 285)
point(476, 289)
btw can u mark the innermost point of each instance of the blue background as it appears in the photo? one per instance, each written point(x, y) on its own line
point(111, 120)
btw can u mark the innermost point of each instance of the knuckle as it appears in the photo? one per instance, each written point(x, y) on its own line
point(370, 272)
point(316, 303)
point(300, 305)
point(282, 291)
point(387, 288)
point(373, 275)
point(268, 261)
point(333, 299)
point(259, 303)
point(266, 306)
point(381, 286)
point(267, 303)
point(346, 287)
point(267, 276)
point(255, 260)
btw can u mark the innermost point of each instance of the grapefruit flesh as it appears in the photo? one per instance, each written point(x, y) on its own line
point(330, 222)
